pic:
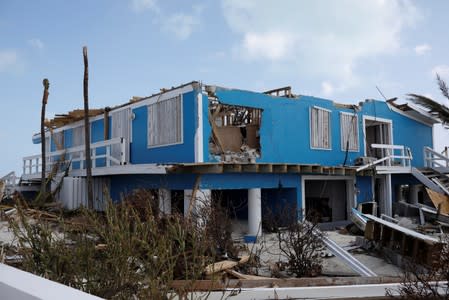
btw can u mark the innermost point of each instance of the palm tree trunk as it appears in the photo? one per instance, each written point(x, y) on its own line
point(90, 196)
point(46, 84)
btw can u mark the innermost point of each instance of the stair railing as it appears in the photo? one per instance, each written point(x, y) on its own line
point(392, 156)
point(433, 159)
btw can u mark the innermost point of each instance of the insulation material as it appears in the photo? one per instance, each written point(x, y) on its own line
point(440, 201)
point(231, 137)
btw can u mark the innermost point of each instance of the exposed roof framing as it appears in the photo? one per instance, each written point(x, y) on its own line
point(72, 116)
point(281, 92)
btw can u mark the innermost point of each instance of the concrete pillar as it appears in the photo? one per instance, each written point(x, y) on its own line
point(414, 190)
point(398, 193)
point(388, 196)
point(254, 215)
point(165, 201)
point(202, 198)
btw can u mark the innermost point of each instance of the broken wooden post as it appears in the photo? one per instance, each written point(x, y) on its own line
point(46, 84)
point(90, 196)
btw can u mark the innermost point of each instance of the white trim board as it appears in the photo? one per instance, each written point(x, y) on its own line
point(377, 119)
point(199, 132)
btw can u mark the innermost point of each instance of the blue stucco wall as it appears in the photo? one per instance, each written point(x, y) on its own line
point(124, 184)
point(184, 152)
point(285, 130)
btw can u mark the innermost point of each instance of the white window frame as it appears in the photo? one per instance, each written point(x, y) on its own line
point(317, 147)
point(345, 135)
point(181, 120)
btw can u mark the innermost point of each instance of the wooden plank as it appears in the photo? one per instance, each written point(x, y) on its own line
point(369, 230)
point(440, 201)
point(239, 275)
point(232, 168)
point(402, 229)
point(207, 169)
point(279, 168)
point(306, 169)
point(224, 265)
point(209, 285)
point(317, 169)
point(339, 171)
point(265, 168)
point(250, 168)
point(293, 168)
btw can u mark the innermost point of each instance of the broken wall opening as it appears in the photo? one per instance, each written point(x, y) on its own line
point(235, 132)
point(326, 199)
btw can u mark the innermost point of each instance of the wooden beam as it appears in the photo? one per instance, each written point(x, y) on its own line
point(250, 168)
point(293, 168)
point(317, 169)
point(279, 168)
point(208, 169)
point(232, 168)
point(265, 168)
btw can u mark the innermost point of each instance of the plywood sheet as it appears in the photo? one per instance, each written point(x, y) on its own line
point(439, 200)
point(230, 137)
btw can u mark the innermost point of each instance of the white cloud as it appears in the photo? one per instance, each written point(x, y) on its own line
point(8, 59)
point(182, 25)
point(36, 43)
point(442, 70)
point(143, 5)
point(327, 88)
point(318, 38)
point(422, 49)
point(268, 45)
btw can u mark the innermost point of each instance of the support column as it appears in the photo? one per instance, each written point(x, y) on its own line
point(414, 190)
point(164, 201)
point(388, 197)
point(202, 199)
point(254, 215)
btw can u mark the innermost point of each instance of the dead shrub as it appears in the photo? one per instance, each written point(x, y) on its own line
point(299, 241)
point(425, 282)
point(122, 253)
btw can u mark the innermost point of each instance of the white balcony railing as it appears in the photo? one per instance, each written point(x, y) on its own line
point(392, 156)
point(103, 154)
point(433, 159)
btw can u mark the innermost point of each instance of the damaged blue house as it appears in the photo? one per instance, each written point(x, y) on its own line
point(250, 151)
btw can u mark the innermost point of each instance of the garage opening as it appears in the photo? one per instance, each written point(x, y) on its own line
point(233, 202)
point(326, 200)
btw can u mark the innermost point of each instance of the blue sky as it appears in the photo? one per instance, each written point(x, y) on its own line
point(339, 50)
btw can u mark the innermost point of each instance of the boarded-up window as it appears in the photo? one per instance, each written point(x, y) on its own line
point(121, 128)
point(165, 122)
point(320, 128)
point(58, 140)
point(349, 132)
point(78, 136)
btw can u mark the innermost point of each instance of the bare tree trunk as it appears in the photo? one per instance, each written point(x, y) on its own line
point(46, 84)
point(90, 196)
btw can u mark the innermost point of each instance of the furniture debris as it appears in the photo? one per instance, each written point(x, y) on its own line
point(440, 201)
point(417, 246)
